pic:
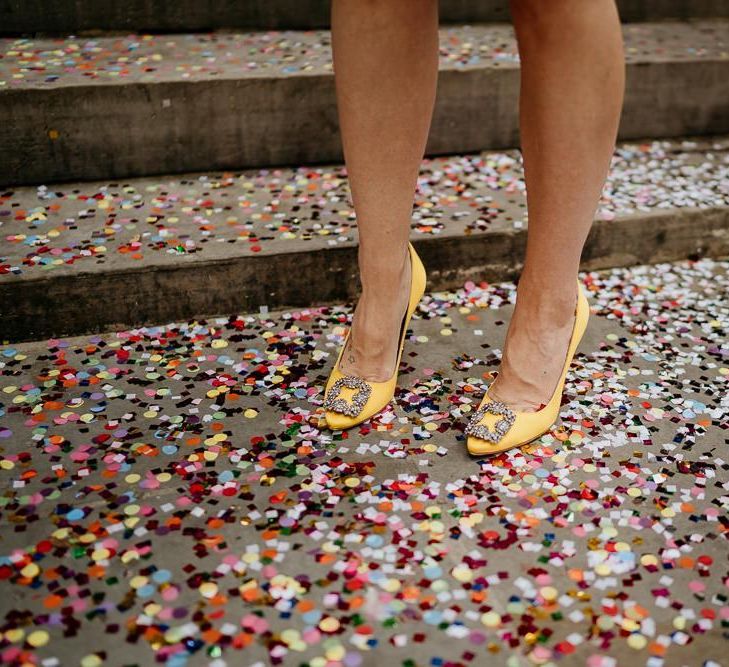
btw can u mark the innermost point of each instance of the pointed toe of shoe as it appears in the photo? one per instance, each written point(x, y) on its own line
point(380, 397)
point(338, 422)
point(526, 427)
point(478, 447)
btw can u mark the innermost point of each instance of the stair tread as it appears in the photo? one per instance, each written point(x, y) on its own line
point(146, 223)
point(107, 60)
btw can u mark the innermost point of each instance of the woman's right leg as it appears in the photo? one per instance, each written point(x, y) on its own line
point(386, 68)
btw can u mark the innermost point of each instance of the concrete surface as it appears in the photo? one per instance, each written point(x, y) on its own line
point(114, 107)
point(72, 16)
point(170, 496)
point(91, 257)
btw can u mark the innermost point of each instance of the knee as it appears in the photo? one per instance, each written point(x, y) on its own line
point(534, 12)
point(537, 22)
point(546, 18)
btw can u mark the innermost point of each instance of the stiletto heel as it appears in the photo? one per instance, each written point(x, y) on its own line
point(349, 400)
point(495, 427)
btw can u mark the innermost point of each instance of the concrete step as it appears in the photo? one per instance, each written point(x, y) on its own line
point(114, 107)
point(154, 461)
point(74, 16)
point(89, 257)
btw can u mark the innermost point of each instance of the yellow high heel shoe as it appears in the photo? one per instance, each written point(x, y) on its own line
point(349, 400)
point(494, 427)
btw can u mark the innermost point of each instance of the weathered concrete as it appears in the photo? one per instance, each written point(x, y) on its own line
point(74, 16)
point(93, 256)
point(188, 114)
point(139, 468)
point(93, 301)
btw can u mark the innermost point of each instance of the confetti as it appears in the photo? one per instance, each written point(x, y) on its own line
point(172, 493)
point(69, 227)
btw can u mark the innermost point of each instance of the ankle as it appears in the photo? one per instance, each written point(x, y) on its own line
point(385, 272)
point(548, 301)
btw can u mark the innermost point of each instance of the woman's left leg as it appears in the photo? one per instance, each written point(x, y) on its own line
point(572, 79)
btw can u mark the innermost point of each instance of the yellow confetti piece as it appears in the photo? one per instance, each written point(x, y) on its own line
point(462, 573)
point(491, 619)
point(392, 585)
point(208, 589)
point(329, 624)
point(290, 635)
point(30, 570)
point(548, 593)
point(250, 413)
point(605, 622)
point(15, 635)
point(335, 653)
point(38, 638)
point(630, 625)
point(603, 569)
point(152, 609)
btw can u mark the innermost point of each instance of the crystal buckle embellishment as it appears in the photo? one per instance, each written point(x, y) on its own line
point(335, 404)
point(501, 427)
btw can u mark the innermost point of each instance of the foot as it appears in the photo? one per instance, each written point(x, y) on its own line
point(536, 346)
point(372, 345)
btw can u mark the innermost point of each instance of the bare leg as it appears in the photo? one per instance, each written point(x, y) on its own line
point(386, 67)
point(572, 73)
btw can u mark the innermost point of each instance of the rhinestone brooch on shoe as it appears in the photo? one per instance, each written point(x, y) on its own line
point(339, 405)
point(500, 429)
